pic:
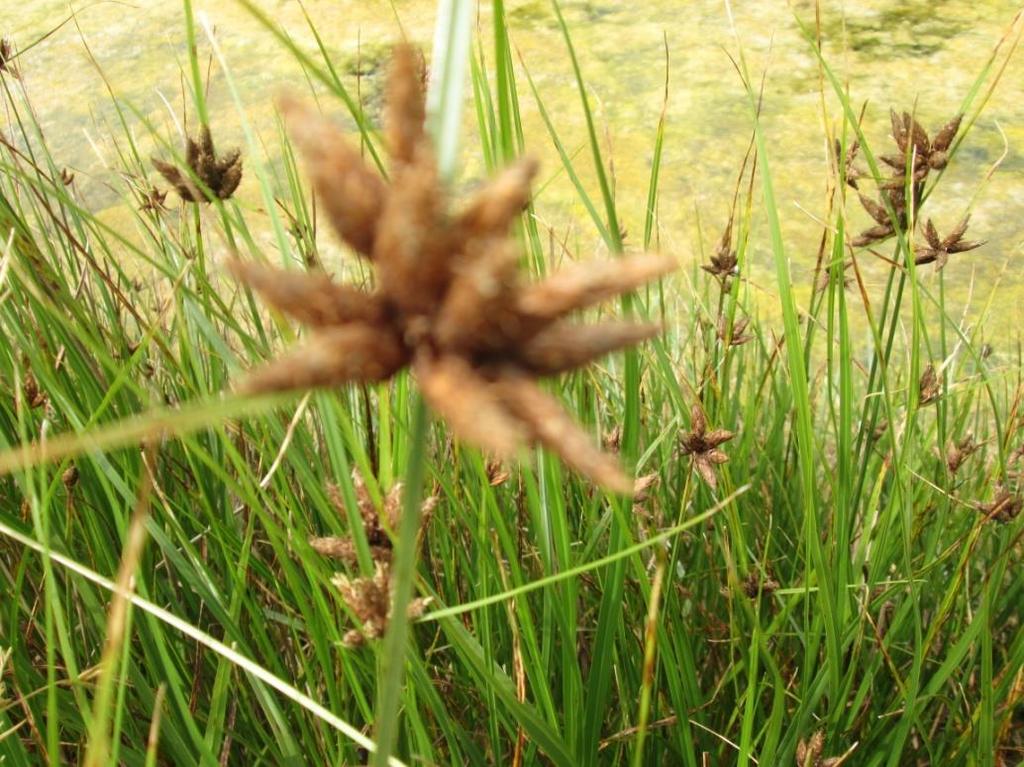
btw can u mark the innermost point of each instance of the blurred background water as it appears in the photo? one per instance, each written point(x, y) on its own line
point(918, 55)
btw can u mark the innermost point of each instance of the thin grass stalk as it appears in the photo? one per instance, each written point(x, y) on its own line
point(199, 636)
point(395, 641)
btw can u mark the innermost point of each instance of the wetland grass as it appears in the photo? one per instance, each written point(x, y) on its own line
point(197, 569)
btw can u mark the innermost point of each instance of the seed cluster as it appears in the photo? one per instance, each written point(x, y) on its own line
point(702, 446)
point(449, 302)
point(918, 155)
point(7, 56)
point(377, 522)
point(220, 176)
point(369, 599)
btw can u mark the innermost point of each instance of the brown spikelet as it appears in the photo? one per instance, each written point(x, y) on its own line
point(939, 250)
point(945, 135)
point(34, 396)
point(724, 261)
point(874, 209)
point(808, 753)
point(377, 522)
point(929, 387)
point(735, 333)
point(412, 250)
point(958, 452)
point(473, 408)
point(70, 477)
point(351, 193)
point(7, 56)
point(153, 200)
point(448, 296)
point(311, 298)
point(332, 357)
point(565, 346)
point(1005, 505)
point(495, 206)
point(583, 285)
point(342, 549)
point(550, 425)
point(405, 111)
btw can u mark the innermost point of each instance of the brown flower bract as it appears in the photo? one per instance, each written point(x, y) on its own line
point(702, 446)
point(378, 522)
point(448, 300)
point(219, 175)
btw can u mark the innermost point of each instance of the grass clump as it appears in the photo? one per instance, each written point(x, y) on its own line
point(817, 565)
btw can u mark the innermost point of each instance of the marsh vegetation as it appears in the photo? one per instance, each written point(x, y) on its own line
point(336, 428)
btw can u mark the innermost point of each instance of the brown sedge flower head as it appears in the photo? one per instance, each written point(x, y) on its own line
point(938, 250)
point(724, 261)
point(370, 601)
point(32, 394)
point(449, 302)
point(958, 452)
point(756, 584)
point(220, 175)
point(7, 56)
point(808, 753)
point(918, 155)
point(702, 446)
point(929, 386)
point(70, 477)
point(735, 333)
point(1004, 507)
point(153, 201)
point(847, 163)
point(378, 522)
point(923, 152)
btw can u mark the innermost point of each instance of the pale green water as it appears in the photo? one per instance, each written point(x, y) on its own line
point(893, 53)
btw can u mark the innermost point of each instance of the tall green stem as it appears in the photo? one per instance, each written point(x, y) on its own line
point(444, 122)
point(393, 653)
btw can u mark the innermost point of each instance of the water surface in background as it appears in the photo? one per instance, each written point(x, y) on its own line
point(898, 53)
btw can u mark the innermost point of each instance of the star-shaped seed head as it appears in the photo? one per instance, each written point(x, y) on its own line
point(735, 333)
point(756, 584)
point(153, 200)
point(913, 142)
point(917, 154)
point(370, 601)
point(702, 446)
point(939, 249)
point(723, 262)
point(378, 522)
point(958, 452)
point(219, 176)
point(449, 302)
point(7, 56)
point(1004, 506)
